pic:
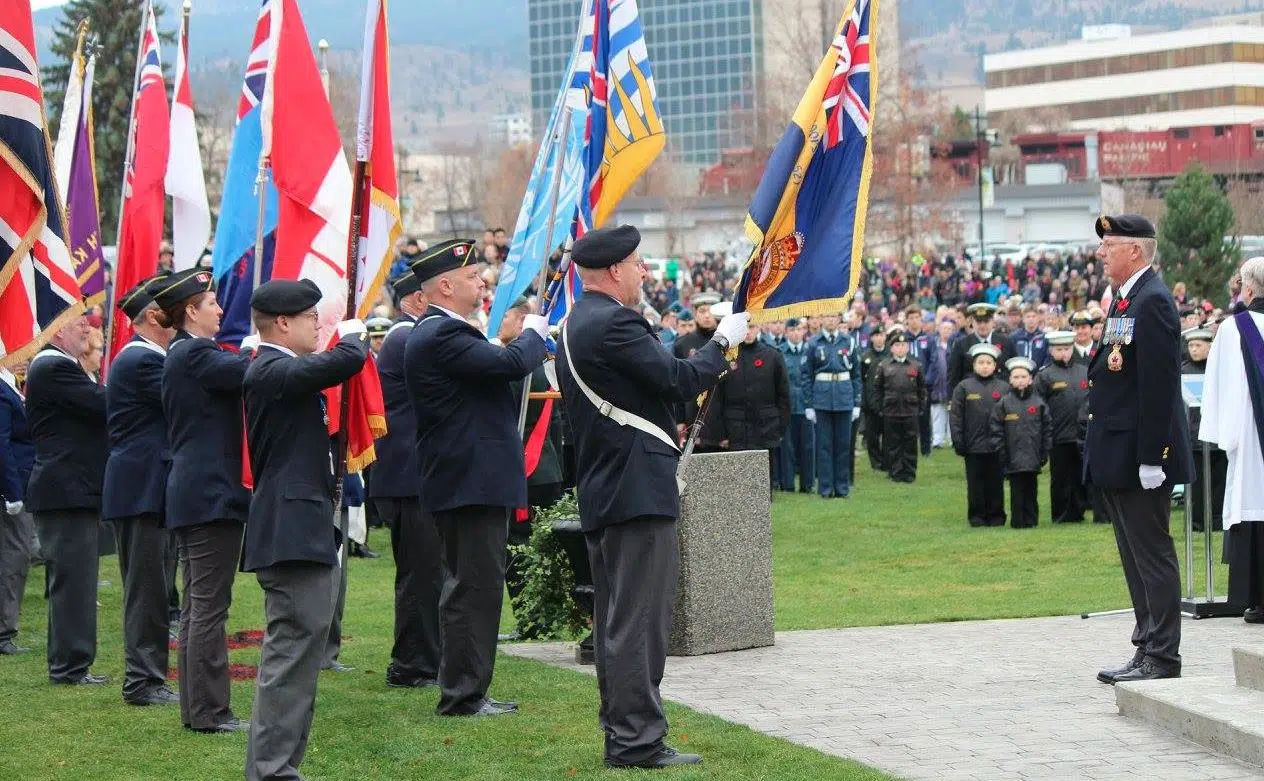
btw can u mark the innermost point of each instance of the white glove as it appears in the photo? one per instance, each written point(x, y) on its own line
point(733, 327)
point(351, 327)
point(12, 508)
point(536, 323)
point(810, 414)
point(855, 414)
point(1151, 476)
point(250, 343)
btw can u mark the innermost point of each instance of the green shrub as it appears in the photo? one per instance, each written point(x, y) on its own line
point(545, 609)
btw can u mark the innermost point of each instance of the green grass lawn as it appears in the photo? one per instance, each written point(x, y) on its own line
point(890, 554)
point(896, 554)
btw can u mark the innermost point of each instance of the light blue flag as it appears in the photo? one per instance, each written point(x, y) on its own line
point(530, 247)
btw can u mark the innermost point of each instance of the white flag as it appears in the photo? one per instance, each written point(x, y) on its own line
point(185, 182)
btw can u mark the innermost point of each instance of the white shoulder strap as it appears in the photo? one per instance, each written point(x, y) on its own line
point(48, 352)
point(605, 408)
point(402, 324)
point(145, 345)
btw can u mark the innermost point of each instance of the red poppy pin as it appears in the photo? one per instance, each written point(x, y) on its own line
point(759, 362)
point(1031, 410)
point(912, 372)
point(1122, 305)
point(1083, 384)
point(996, 395)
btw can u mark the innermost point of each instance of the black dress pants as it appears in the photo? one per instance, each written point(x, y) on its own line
point(1067, 495)
point(210, 552)
point(1024, 504)
point(985, 489)
point(418, 584)
point(900, 443)
point(873, 440)
point(1141, 520)
point(69, 540)
point(146, 570)
point(1219, 471)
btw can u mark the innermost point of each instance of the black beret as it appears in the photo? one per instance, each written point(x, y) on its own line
point(406, 285)
point(170, 290)
point(1132, 226)
point(285, 297)
point(605, 247)
point(685, 316)
point(792, 323)
point(449, 255)
point(139, 298)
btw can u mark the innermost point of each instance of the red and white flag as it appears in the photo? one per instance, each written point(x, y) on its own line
point(144, 198)
point(375, 146)
point(185, 181)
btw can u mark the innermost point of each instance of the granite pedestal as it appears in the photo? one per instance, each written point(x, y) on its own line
point(724, 600)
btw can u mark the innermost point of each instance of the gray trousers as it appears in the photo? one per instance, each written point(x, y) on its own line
point(146, 569)
point(333, 643)
point(298, 602)
point(17, 535)
point(69, 542)
point(635, 566)
point(1148, 554)
point(418, 584)
point(210, 552)
point(473, 540)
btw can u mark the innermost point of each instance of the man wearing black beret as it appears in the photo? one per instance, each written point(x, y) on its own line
point(291, 541)
point(395, 492)
point(619, 385)
point(470, 459)
point(134, 493)
point(1137, 443)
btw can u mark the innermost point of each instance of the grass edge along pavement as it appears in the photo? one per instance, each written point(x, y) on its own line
point(362, 729)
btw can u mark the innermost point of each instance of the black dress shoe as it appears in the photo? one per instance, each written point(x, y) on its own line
point(337, 667)
point(1149, 671)
point(396, 679)
point(9, 648)
point(88, 679)
point(488, 707)
point(161, 695)
point(509, 706)
point(1252, 615)
point(664, 758)
point(361, 551)
point(1109, 676)
point(232, 725)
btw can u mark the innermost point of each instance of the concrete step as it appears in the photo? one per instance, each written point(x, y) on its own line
point(1248, 667)
point(1208, 711)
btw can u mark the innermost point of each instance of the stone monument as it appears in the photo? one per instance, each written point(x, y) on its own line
point(724, 599)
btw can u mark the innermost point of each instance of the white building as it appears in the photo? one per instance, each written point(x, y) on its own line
point(510, 129)
point(1022, 214)
point(1212, 75)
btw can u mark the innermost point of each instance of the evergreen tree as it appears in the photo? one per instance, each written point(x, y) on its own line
point(1192, 236)
point(115, 25)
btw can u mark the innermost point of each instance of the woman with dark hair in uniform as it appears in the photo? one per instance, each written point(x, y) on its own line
point(206, 504)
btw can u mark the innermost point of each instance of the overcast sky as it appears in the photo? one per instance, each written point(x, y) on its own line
point(38, 4)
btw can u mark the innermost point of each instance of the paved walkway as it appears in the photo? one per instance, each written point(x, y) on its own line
point(986, 700)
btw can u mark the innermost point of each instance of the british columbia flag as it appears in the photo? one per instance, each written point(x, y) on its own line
point(38, 291)
point(807, 218)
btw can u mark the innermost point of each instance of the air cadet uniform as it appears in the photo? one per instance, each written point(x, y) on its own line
point(1064, 387)
point(1219, 459)
point(618, 387)
point(17, 528)
point(1033, 345)
point(970, 418)
point(901, 388)
point(798, 448)
point(206, 503)
point(960, 362)
point(470, 459)
point(66, 412)
point(378, 328)
point(1021, 428)
point(1137, 431)
point(832, 371)
point(133, 496)
point(395, 491)
point(921, 349)
point(869, 363)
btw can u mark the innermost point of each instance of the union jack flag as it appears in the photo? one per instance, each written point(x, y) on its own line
point(850, 83)
point(256, 63)
point(38, 290)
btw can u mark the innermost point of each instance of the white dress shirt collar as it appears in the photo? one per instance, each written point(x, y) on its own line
point(1127, 287)
point(279, 348)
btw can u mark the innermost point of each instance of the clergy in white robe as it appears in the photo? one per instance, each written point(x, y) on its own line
point(1229, 421)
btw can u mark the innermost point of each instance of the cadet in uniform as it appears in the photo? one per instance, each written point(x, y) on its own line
point(970, 418)
point(1085, 345)
point(470, 458)
point(901, 389)
point(291, 540)
point(798, 448)
point(17, 529)
point(133, 494)
point(1197, 348)
point(1063, 384)
point(1021, 429)
point(869, 363)
point(960, 361)
point(395, 491)
point(754, 400)
point(618, 388)
point(66, 411)
point(832, 371)
point(1137, 444)
point(1029, 341)
point(206, 504)
point(921, 347)
point(378, 328)
point(685, 347)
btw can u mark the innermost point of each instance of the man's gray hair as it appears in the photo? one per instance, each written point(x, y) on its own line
point(1149, 248)
point(1252, 274)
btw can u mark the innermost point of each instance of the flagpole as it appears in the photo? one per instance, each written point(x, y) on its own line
point(112, 299)
point(358, 181)
point(559, 141)
point(261, 190)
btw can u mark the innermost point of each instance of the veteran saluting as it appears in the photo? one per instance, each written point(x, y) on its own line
point(619, 385)
point(470, 459)
point(1137, 444)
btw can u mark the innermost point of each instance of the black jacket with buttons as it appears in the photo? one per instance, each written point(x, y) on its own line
point(1064, 387)
point(1021, 431)
point(970, 414)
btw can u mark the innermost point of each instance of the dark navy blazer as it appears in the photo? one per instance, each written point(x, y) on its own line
point(136, 470)
point(17, 450)
point(394, 474)
point(66, 412)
